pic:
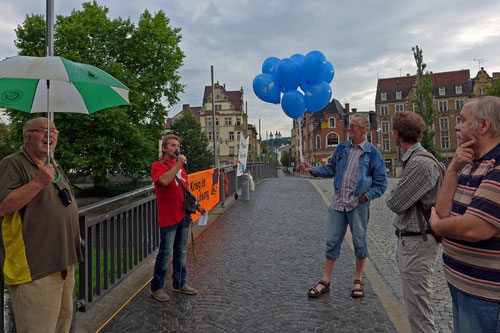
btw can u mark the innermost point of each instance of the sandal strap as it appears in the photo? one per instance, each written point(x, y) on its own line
point(323, 282)
point(358, 282)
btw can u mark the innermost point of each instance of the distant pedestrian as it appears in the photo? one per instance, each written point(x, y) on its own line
point(360, 177)
point(40, 242)
point(173, 220)
point(467, 214)
point(412, 200)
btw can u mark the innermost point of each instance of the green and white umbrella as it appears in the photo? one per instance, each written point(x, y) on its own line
point(73, 87)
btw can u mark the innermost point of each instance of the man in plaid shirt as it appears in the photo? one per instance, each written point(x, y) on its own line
point(416, 253)
point(467, 215)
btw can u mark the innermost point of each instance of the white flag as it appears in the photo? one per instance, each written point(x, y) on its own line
point(242, 156)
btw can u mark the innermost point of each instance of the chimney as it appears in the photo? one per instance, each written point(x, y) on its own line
point(347, 108)
point(185, 107)
point(354, 110)
point(407, 74)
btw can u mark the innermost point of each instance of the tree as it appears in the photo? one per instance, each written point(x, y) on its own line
point(194, 142)
point(146, 58)
point(7, 147)
point(285, 159)
point(494, 90)
point(423, 91)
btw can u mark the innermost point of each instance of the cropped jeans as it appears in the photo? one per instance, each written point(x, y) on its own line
point(172, 239)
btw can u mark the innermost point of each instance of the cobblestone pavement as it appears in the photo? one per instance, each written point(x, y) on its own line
point(255, 265)
point(382, 247)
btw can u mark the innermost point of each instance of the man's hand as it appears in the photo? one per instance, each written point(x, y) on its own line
point(363, 198)
point(201, 210)
point(46, 174)
point(181, 160)
point(463, 155)
point(306, 167)
point(434, 220)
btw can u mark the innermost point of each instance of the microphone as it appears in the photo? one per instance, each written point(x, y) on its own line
point(177, 153)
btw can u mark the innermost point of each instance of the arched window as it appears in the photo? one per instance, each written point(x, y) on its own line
point(331, 122)
point(318, 142)
point(332, 140)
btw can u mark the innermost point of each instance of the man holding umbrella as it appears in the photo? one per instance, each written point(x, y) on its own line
point(40, 233)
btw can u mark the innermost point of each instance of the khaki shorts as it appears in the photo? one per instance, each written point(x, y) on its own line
point(44, 305)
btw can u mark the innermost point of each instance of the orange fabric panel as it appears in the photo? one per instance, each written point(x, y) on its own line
point(205, 187)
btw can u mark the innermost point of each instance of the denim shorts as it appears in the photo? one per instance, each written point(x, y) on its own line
point(357, 220)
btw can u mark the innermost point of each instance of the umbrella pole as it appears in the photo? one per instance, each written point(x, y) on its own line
point(49, 116)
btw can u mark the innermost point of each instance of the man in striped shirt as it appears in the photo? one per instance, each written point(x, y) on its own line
point(360, 177)
point(467, 214)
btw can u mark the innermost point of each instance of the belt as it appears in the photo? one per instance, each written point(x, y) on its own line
point(400, 233)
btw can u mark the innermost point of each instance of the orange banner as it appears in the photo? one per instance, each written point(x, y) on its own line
point(205, 187)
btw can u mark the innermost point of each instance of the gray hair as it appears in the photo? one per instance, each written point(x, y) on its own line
point(487, 107)
point(28, 123)
point(363, 121)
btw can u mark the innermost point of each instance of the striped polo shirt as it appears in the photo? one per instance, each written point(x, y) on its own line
point(474, 267)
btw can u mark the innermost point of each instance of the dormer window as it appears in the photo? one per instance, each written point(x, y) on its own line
point(442, 91)
point(458, 89)
point(383, 96)
point(398, 94)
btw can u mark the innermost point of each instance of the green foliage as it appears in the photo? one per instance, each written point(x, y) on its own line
point(285, 159)
point(146, 58)
point(194, 142)
point(425, 107)
point(7, 146)
point(494, 90)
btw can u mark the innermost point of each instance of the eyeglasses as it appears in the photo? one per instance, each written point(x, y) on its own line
point(352, 126)
point(44, 131)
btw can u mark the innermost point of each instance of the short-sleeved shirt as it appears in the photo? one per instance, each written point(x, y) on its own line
point(170, 198)
point(43, 237)
point(474, 267)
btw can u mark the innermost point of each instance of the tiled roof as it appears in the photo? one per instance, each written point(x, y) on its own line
point(195, 110)
point(334, 107)
point(405, 83)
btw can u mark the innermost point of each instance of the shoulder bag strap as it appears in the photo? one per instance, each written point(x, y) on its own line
point(178, 180)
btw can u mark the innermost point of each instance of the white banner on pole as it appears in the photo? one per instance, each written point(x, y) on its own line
point(242, 156)
point(300, 140)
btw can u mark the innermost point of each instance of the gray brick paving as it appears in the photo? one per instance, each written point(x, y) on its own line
point(255, 265)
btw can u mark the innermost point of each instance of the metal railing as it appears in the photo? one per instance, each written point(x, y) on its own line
point(121, 232)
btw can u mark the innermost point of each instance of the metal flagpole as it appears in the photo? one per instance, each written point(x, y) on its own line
point(216, 153)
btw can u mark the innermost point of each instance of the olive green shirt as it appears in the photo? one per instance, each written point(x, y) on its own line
point(43, 237)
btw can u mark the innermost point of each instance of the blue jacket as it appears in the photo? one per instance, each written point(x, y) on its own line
point(372, 177)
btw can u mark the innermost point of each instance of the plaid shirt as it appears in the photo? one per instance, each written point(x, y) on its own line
point(420, 181)
point(346, 199)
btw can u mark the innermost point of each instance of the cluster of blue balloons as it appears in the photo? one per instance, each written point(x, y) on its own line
point(312, 73)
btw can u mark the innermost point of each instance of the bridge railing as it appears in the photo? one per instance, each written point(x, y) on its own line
point(119, 233)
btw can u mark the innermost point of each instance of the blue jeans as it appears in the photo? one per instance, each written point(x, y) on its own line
point(471, 314)
point(357, 220)
point(172, 239)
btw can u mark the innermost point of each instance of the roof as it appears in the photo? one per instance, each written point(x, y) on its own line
point(404, 83)
point(195, 110)
point(235, 96)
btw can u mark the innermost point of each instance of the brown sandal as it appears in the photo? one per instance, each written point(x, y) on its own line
point(355, 292)
point(314, 292)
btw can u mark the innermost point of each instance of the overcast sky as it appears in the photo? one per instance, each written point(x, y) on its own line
point(364, 40)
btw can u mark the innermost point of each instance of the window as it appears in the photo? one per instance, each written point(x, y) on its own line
point(398, 94)
point(369, 136)
point(445, 142)
point(228, 121)
point(238, 136)
point(399, 107)
point(216, 121)
point(459, 104)
point(216, 135)
point(383, 96)
point(384, 110)
point(332, 140)
point(231, 136)
point(443, 105)
point(443, 123)
point(218, 107)
point(442, 91)
point(238, 122)
point(458, 89)
point(231, 150)
point(386, 144)
point(385, 126)
point(415, 107)
point(318, 142)
point(210, 136)
point(331, 122)
point(208, 121)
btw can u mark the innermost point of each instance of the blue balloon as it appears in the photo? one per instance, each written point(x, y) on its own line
point(270, 66)
point(293, 104)
point(313, 66)
point(328, 73)
point(318, 96)
point(266, 88)
point(304, 86)
point(289, 74)
point(298, 58)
